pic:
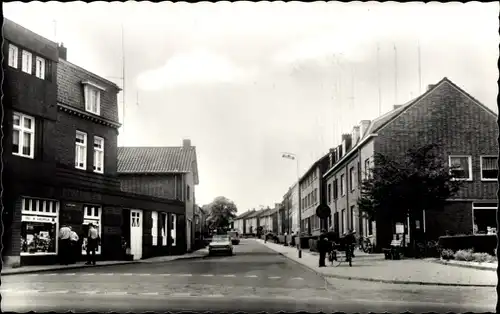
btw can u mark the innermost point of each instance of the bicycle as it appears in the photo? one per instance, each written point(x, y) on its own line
point(336, 259)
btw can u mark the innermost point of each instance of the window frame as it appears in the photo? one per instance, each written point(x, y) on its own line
point(481, 167)
point(29, 58)
point(40, 71)
point(154, 228)
point(469, 158)
point(84, 145)
point(342, 185)
point(329, 192)
point(13, 57)
point(87, 88)
point(352, 178)
point(22, 130)
point(101, 150)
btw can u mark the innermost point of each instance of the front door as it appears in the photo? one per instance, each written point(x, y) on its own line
point(136, 233)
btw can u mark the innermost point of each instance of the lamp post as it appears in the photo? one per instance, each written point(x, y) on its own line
point(294, 157)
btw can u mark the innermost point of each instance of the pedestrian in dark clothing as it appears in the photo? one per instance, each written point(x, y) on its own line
point(65, 245)
point(322, 248)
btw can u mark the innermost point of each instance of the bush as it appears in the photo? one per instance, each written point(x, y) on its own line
point(447, 254)
point(465, 255)
point(483, 258)
point(482, 243)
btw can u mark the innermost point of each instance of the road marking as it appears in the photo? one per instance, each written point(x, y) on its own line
point(116, 292)
point(207, 275)
point(166, 275)
point(181, 294)
point(33, 275)
point(87, 292)
point(89, 274)
point(5, 290)
point(251, 276)
point(127, 274)
point(297, 278)
point(185, 275)
point(144, 274)
point(49, 274)
point(229, 275)
point(274, 277)
point(70, 274)
point(108, 274)
point(149, 293)
point(25, 291)
point(57, 292)
point(212, 296)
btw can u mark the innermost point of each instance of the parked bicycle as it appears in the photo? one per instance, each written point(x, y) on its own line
point(342, 250)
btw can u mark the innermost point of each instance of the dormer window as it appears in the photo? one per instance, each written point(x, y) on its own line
point(92, 94)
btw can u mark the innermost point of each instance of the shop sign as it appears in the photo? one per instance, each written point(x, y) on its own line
point(38, 219)
point(91, 221)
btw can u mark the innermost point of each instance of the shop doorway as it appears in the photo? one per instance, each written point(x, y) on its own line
point(136, 233)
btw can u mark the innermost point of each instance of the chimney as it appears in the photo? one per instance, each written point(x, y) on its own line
point(364, 124)
point(430, 86)
point(397, 106)
point(63, 51)
point(186, 143)
point(355, 135)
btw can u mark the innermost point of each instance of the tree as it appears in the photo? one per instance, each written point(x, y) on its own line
point(220, 213)
point(397, 189)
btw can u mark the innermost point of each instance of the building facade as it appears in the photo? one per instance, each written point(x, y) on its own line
point(55, 178)
point(467, 133)
point(163, 172)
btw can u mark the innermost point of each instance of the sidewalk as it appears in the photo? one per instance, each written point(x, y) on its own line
point(45, 268)
point(406, 271)
point(475, 265)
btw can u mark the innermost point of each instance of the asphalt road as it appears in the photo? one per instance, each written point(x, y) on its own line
point(255, 279)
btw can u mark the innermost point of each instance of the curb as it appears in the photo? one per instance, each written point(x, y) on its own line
point(64, 268)
point(403, 282)
point(463, 266)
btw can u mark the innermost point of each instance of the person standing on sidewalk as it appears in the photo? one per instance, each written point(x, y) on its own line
point(65, 247)
point(322, 248)
point(92, 243)
point(74, 245)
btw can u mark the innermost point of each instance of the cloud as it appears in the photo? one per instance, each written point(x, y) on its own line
point(197, 67)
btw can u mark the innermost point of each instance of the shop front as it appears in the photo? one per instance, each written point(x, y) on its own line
point(39, 230)
point(91, 215)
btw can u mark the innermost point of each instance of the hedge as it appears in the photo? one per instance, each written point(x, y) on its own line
point(481, 243)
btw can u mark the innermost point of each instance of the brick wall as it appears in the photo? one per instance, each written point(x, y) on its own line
point(449, 117)
point(64, 139)
point(71, 92)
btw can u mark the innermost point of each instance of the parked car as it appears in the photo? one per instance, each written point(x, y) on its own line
point(221, 243)
point(235, 237)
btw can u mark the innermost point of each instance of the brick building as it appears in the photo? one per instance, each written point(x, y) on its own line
point(311, 193)
point(467, 132)
point(163, 172)
point(53, 176)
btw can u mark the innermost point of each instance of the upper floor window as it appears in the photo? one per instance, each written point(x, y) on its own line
point(98, 154)
point(367, 168)
point(81, 150)
point(461, 167)
point(188, 192)
point(342, 185)
point(352, 179)
point(489, 168)
point(13, 55)
point(23, 135)
point(27, 65)
point(92, 97)
point(329, 191)
point(40, 67)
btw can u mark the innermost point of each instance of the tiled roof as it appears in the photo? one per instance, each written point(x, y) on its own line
point(245, 214)
point(156, 159)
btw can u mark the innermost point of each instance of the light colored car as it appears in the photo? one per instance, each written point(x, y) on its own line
point(221, 243)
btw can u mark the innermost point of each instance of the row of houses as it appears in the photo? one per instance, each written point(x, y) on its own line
point(445, 114)
point(62, 164)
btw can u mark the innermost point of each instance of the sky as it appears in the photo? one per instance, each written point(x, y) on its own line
point(247, 81)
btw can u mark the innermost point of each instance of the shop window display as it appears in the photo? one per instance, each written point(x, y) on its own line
point(39, 226)
point(91, 215)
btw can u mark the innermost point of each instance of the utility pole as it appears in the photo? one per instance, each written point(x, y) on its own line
point(395, 75)
point(123, 78)
point(378, 83)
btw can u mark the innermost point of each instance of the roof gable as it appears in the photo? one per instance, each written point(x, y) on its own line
point(156, 160)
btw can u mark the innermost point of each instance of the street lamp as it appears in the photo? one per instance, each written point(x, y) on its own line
point(294, 157)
